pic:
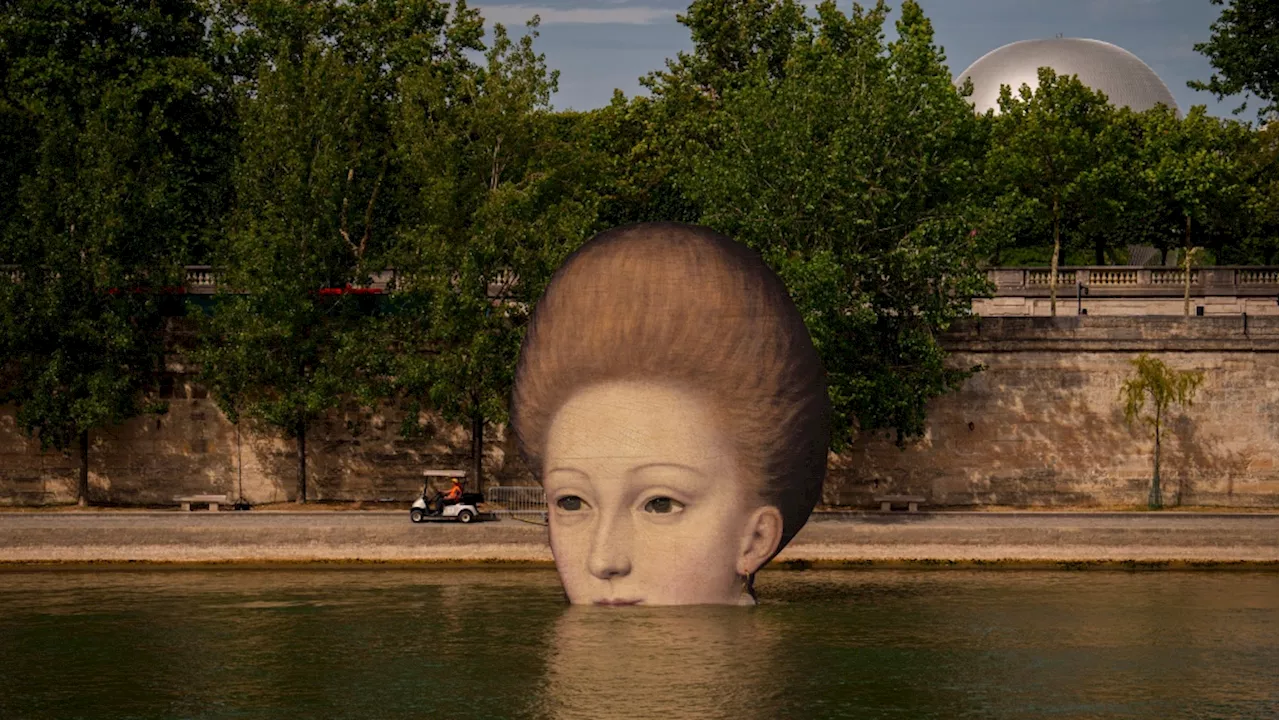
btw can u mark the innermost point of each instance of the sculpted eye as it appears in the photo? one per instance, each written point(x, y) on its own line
point(663, 505)
point(571, 503)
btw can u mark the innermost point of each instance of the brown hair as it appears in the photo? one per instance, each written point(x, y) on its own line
point(684, 305)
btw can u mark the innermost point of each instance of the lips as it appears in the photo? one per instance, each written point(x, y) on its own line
point(617, 602)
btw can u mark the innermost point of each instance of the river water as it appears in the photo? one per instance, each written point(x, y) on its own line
point(378, 642)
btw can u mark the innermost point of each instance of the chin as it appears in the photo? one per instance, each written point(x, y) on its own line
point(636, 600)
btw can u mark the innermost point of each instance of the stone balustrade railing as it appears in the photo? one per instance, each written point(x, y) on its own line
point(1101, 281)
point(202, 279)
point(1120, 281)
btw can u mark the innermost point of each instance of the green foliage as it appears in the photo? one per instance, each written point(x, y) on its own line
point(1056, 160)
point(1149, 394)
point(497, 192)
point(1192, 179)
point(732, 37)
point(644, 143)
point(1156, 383)
point(311, 216)
point(848, 163)
point(1067, 170)
point(1242, 48)
point(114, 133)
point(1260, 240)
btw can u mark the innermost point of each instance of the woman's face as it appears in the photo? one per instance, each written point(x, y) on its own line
point(647, 503)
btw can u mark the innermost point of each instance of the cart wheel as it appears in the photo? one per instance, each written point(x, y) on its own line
point(416, 515)
point(466, 516)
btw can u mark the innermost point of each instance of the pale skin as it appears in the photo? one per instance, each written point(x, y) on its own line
point(647, 503)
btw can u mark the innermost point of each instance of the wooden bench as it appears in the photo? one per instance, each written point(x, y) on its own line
point(212, 500)
point(887, 502)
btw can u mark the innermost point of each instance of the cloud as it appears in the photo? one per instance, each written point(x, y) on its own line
point(517, 15)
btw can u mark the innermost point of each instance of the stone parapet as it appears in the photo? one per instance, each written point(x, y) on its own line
point(1084, 333)
point(1121, 290)
point(1124, 281)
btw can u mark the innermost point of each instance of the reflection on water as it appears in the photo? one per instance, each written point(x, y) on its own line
point(451, 643)
point(699, 662)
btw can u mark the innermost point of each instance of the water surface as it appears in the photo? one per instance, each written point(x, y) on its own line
point(356, 642)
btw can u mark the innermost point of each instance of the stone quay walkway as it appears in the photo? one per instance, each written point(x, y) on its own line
point(1075, 539)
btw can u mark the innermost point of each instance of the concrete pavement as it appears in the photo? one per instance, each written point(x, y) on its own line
point(377, 536)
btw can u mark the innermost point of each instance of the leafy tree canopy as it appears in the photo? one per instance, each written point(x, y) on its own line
point(114, 138)
point(316, 168)
point(497, 191)
point(848, 162)
point(1242, 49)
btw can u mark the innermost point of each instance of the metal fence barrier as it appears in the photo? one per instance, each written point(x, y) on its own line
point(527, 502)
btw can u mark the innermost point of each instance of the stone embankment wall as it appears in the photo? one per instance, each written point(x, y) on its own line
point(1040, 426)
point(193, 449)
point(1043, 425)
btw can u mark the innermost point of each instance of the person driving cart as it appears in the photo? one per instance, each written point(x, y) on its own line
point(454, 495)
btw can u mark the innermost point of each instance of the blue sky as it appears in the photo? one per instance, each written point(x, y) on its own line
point(599, 45)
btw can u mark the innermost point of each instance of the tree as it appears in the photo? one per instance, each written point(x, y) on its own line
point(1242, 48)
point(1155, 388)
point(1258, 240)
point(848, 163)
point(113, 173)
point(642, 142)
point(1057, 147)
point(498, 192)
point(292, 337)
point(734, 39)
point(1190, 173)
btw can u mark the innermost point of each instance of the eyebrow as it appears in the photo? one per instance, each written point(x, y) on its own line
point(635, 470)
point(678, 466)
point(565, 469)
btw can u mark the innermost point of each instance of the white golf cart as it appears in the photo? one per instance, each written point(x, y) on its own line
point(431, 507)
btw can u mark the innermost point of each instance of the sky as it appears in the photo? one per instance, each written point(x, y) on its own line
point(599, 45)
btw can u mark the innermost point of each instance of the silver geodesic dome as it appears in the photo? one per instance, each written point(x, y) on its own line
point(1126, 80)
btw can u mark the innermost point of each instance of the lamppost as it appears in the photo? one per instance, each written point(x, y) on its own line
point(1081, 292)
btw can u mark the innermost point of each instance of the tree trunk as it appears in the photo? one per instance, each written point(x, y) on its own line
point(82, 486)
point(302, 461)
point(1154, 501)
point(477, 451)
point(1099, 251)
point(1053, 264)
point(1186, 273)
point(239, 465)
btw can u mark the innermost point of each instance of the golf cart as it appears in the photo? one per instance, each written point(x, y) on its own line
point(432, 507)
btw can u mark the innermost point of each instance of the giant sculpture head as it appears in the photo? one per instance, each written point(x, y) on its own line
point(672, 404)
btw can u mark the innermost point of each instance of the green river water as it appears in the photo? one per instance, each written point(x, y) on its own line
point(422, 642)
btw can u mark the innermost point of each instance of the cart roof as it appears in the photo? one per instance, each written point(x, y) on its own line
point(445, 473)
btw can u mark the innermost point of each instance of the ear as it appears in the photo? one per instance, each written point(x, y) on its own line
point(760, 539)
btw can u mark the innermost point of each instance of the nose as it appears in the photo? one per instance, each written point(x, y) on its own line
point(610, 555)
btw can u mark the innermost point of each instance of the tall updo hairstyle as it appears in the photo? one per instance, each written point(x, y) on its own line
point(684, 306)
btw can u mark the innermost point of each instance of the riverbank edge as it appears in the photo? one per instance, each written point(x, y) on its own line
point(819, 515)
point(777, 566)
point(900, 540)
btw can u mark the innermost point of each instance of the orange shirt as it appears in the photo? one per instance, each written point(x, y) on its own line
point(455, 492)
